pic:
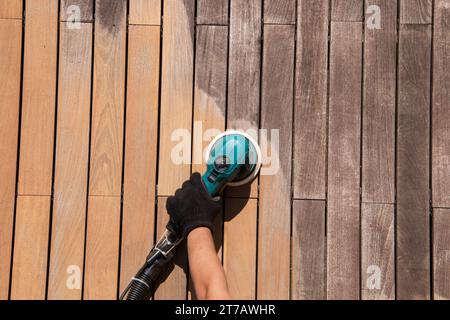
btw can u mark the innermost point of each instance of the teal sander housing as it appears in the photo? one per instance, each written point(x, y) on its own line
point(233, 159)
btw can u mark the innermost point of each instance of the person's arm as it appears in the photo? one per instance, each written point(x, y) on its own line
point(204, 266)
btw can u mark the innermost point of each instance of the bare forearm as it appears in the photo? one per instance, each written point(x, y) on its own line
point(205, 267)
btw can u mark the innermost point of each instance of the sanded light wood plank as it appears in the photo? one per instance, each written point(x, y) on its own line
point(244, 75)
point(140, 149)
point(28, 279)
point(77, 11)
point(380, 56)
point(347, 10)
point(71, 164)
point(210, 89)
point(239, 249)
point(310, 123)
point(212, 12)
point(441, 254)
point(415, 11)
point(146, 12)
point(102, 248)
point(413, 196)
point(441, 105)
point(174, 286)
point(10, 68)
point(108, 99)
point(308, 250)
point(11, 9)
point(343, 245)
point(38, 105)
point(176, 95)
point(279, 11)
point(275, 189)
point(377, 252)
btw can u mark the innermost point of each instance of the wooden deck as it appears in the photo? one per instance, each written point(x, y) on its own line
point(360, 208)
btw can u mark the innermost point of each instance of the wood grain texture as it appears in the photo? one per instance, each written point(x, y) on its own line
point(244, 74)
point(72, 156)
point(310, 123)
point(108, 99)
point(146, 12)
point(138, 217)
point(279, 11)
point(10, 74)
point(377, 252)
point(347, 10)
point(174, 286)
point(308, 250)
point(210, 89)
point(275, 189)
point(39, 91)
point(102, 248)
point(28, 279)
point(413, 151)
point(343, 221)
point(212, 12)
point(416, 11)
point(441, 106)
point(239, 247)
point(380, 67)
point(441, 254)
point(70, 9)
point(176, 95)
point(11, 9)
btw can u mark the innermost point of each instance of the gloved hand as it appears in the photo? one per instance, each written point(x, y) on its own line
point(191, 207)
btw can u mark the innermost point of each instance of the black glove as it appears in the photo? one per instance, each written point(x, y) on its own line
point(191, 207)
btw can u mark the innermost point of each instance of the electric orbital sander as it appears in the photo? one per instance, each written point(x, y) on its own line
point(233, 159)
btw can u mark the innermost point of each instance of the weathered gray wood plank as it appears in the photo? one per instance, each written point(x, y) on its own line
point(441, 106)
point(275, 189)
point(310, 123)
point(343, 221)
point(308, 250)
point(71, 10)
point(441, 254)
point(380, 64)
point(347, 10)
point(279, 11)
point(212, 12)
point(377, 252)
point(416, 11)
point(413, 152)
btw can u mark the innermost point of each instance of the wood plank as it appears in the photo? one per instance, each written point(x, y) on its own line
point(174, 286)
point(279, 11)
point(416, 11)
point(413, 148)
point(138, 216)
point(108, 99)
point(343, 221)
point(102, 248)
point(176, 109)
point(377, 252)
point(212, 12)
point(239, 247)
point(38, 105)
point(244, 75)
point(347, 10)
point(10, 75)
point(441, 106)
point(210, 89)
point(275, 190)
point(71, 8)
point(380, 69)
point(147, 12)
point(310, 123)
point(441, 254)
point(11, 9)
point(28, 279)
point(72, 156)
point(308, 250)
